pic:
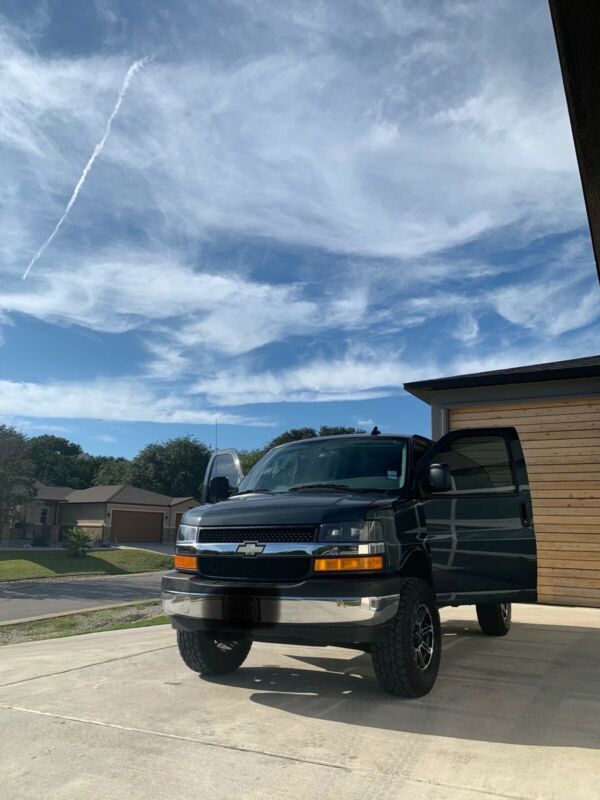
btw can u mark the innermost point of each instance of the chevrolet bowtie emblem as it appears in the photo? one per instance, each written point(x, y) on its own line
point(250, 549)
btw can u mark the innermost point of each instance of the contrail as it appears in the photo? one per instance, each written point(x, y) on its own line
point(137, 65)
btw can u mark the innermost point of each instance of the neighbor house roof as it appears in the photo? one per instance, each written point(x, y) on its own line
point(176, 500)
point(552, 371)
point(121, 493)
point(44, 492)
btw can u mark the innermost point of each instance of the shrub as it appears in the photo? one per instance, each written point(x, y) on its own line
point(76, 541)
point(41, 539)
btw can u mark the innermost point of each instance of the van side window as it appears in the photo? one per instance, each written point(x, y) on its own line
point(478, 464)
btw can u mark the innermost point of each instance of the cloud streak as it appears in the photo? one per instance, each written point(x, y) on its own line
point(357, 375)
point(119, 400)
point(135, 67)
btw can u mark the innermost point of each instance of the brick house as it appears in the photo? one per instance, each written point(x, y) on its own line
point(119, 514)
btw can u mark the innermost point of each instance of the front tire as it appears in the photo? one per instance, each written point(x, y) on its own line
point(494, 618)
point(208, 654)
point(407, 660)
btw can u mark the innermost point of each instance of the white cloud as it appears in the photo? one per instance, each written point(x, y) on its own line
point(32, 428)
point(362, 375)
point(122, 290)
point(563, 298)
point(365, 423)
point(350, 377)
point(273, 143)
point(119, 400)
point(550, 307)
point(467, 329)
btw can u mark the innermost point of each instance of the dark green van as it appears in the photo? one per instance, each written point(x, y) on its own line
point(356, 541)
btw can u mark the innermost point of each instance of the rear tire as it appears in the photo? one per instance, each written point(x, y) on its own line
point(407, 661)
point(208, 654)
point(494, 618)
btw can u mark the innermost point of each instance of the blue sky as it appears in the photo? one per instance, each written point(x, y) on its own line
point(300, 206)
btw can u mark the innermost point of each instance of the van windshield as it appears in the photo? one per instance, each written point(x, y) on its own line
point(355, 464)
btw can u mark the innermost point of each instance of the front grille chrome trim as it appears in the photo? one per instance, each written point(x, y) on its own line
point(311, 549)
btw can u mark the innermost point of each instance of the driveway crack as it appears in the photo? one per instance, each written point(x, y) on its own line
point(256, 751)
point(85, 666)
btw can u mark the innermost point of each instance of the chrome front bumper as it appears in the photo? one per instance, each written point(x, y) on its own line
point(370, 611)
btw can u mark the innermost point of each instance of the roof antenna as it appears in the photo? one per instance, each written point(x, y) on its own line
point(375, 431)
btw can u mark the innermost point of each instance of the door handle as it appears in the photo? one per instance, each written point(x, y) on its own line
point(525, 521)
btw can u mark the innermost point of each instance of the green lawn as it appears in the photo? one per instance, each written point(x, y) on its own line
point(136, 615)
point(22, 564)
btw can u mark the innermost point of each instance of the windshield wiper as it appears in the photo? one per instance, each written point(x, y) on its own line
point(308, 486)
point(254, 491)
point(341, 487)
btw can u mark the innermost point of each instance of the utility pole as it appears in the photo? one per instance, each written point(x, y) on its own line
point(216, 433)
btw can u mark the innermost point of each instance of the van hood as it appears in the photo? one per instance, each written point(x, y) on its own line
point(286, 508)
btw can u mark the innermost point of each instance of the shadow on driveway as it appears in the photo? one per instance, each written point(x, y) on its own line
point(540, 685)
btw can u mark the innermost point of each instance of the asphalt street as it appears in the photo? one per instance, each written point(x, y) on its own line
point(26, 599)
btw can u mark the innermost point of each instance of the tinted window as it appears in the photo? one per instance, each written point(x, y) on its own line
point(356, 463)
point(478, 463)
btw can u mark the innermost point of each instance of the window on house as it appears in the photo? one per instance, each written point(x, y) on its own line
point(44, 516)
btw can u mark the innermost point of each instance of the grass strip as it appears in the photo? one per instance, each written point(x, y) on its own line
point(136, 615)
point(23, 564)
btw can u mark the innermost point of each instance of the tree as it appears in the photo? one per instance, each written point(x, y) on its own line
point(175, 467)
point(338, 430)
point(16, 477)
point(293, 435)
point(112, 471)
point(59, 462)
point(248, 458)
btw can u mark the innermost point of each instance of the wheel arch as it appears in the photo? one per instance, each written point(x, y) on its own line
point(418, 565)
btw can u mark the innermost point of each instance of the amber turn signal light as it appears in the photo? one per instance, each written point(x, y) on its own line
point(348, 563)
point(185, 562)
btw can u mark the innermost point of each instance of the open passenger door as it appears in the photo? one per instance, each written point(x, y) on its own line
point(222, 464)
point(479, 529)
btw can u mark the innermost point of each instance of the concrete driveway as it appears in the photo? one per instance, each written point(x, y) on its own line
point(118, 715)
point(21, 600)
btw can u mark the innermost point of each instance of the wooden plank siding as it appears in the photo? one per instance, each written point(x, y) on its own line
point(561, 442)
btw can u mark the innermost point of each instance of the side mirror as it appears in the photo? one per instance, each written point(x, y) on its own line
point(218, 489)
point(438, 478)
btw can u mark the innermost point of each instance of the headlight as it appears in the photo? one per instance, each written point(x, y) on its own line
point(361, 531)
point(187, 533)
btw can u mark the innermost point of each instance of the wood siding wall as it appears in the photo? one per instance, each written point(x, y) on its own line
point(561, 442)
